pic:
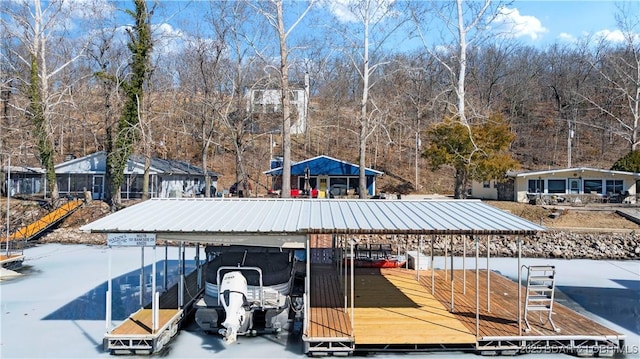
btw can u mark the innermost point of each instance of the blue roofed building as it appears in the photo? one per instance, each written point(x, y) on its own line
point(324, 175)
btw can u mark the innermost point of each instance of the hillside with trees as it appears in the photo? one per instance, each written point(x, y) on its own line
point(136, 84)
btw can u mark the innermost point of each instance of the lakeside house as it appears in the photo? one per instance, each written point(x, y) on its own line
point(167, 178)
point(266, 98)
point(329, 176)
point(22, 180)
point(595, 184)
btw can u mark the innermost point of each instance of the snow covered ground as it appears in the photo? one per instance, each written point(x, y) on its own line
point(55, 309)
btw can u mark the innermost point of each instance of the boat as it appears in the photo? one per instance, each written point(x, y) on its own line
point(250, 291)
point(375, 256)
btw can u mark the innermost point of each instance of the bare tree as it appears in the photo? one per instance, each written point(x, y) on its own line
point(619, 66)
point(464, 22)
point(37, 25)
point(374, 21)
point(273, 11)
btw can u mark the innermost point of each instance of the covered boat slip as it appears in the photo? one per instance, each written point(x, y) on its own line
point(136, 334)
point(344, 313)
point(147, 330)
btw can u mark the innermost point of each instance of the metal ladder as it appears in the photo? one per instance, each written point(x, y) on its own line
point(540, 293)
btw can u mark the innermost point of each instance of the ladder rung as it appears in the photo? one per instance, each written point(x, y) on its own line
point(539, 298)
point(538, 308)
point(538, 268)
point(540, 288)
point(540, 277)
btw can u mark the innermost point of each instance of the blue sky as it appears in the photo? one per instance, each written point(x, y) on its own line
point(547, 21)
point(531, 22)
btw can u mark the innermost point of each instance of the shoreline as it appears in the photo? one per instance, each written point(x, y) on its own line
point(554, 244)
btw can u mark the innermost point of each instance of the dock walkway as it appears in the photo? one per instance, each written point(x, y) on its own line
point(329, 328)
point(135, 335)
point(33, 229)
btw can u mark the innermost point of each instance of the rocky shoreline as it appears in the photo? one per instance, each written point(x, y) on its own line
point(551, 244)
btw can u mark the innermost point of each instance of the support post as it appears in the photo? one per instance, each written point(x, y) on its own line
point(464, 272)
point(180, 275)
point(346, 287)
point(154, 302)
point(488, 275)
point(142, 279)
point(198, 267)
point(417, 258)
point(109, 291)
point(477, 288)
point(433, 272)
point(166, 264)
point(519, 242)
point(351, 242)
point(452, 274)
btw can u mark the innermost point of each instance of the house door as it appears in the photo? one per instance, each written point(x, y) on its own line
point(323, 185)
point(98, 187)
point(575, 185)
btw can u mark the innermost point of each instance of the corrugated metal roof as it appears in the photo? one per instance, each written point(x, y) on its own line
point(299, 216)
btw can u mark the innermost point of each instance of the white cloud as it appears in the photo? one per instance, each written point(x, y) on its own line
point(615, 36)
point(167, 39)
point(343, 10)
point(565, 37)
point(510, 23)
point(340, 9)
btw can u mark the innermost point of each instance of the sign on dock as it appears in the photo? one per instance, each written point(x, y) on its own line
point(131, 239)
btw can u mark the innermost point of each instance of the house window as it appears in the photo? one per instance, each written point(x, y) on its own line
point(257, 96)
point(557, 186)
point(293, 96)
point(536, 186)
point(614, 186)
point(486, 184)
point(593, 186)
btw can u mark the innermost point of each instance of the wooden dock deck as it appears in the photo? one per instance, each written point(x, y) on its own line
point(10, 259)
point(329, 329)
point(395, 312)
point(392, 308)
point(136, 335)
point(498, 323)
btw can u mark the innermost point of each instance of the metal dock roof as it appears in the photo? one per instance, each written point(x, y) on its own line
point(300, 216)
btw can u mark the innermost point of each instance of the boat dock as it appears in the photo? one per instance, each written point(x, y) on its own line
point(10, 260)
point(135, 335)
point(394, 311)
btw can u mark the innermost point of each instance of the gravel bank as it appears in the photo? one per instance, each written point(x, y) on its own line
point(552, 244)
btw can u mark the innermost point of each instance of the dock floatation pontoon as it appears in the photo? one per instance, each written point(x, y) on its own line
point(250, 291)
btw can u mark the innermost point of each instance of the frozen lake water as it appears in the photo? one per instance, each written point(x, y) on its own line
point(55, 309)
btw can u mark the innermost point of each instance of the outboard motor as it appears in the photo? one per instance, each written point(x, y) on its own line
point(233, 295)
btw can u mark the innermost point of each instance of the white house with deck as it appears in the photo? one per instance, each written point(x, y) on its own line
point(167, 178)
point(596, 184)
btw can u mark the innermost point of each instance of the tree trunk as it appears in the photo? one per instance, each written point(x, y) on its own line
point(286, 111)
point(460, 189)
